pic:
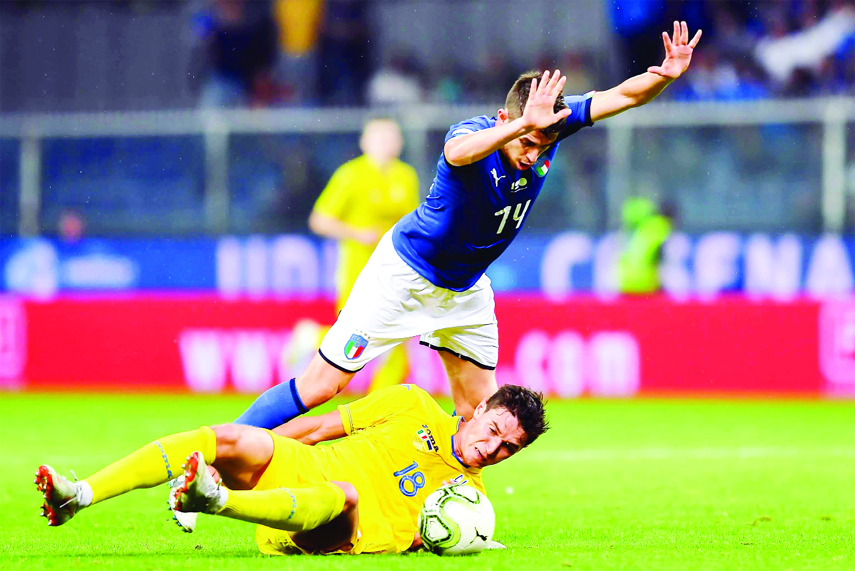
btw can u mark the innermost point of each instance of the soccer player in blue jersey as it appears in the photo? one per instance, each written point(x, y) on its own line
point(426, 276)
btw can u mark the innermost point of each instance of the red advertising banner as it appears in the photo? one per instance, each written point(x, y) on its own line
point(582, 346)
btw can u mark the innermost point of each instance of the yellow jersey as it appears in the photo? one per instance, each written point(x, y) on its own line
point(366, 197)
point(398, 450)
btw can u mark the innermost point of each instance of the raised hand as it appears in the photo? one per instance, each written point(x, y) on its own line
point(538, 112)
point(678, 54)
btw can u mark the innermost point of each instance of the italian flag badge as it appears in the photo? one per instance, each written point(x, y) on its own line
point(541, 168)
point(355, 345)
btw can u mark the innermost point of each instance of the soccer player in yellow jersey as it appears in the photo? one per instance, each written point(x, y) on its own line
point(364, 198)
point(361, 494)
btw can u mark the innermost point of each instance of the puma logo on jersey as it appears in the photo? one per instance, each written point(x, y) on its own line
point(496, 177)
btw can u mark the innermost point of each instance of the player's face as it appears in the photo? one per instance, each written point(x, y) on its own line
point(382, 140)
point(490, 437)
point(523, 151)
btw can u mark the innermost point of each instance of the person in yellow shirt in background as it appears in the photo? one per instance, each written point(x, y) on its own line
point(299, 23)
point(364, 198)
point(647, 229)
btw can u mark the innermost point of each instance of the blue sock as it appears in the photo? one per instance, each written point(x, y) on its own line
point(275, 406)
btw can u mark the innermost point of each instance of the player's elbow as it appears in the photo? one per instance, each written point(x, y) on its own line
point(316, 223)
point(455, 162)
point(454, 155)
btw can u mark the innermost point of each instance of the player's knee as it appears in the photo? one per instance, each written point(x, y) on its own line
point(228, 439)
point(351, 496)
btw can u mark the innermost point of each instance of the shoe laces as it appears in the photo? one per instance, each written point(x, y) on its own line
point(77, 492)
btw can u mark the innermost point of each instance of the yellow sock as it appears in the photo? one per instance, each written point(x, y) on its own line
point(392, 372)
point(291, 509)
point(152, 464)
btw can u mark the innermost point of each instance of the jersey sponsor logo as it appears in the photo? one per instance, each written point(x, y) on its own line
point(496, 177)
point(355, 346)
point(424, 440)
point(541, 167)
point(518, 185)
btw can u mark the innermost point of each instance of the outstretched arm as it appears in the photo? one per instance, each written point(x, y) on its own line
point(641, 89)
point(370, 410)
point(313, 429)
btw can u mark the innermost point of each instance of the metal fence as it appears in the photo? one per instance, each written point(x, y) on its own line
point(766, 165)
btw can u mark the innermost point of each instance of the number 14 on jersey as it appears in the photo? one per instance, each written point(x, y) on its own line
point(518, 216)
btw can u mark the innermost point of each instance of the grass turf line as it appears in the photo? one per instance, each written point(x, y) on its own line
point(643, 484)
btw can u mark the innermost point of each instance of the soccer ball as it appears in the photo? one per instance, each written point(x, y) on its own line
point(456, 520)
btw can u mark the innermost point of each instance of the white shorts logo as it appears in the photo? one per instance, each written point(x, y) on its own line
point(355, 346)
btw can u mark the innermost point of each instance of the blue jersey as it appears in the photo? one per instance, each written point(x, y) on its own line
point(473, 212)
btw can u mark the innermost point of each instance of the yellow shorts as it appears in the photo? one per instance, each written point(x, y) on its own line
point(292, 466)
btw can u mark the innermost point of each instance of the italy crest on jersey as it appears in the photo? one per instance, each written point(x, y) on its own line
point(541, 166)
point(355, 346)
point(424, 440)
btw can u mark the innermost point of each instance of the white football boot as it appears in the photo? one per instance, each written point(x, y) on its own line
point(185, 520)
point(62, 497)
point(199, 492)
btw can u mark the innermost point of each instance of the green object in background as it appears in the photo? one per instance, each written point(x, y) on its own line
point(647, 231)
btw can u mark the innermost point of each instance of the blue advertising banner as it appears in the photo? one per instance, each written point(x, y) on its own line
point(43, 267)
point(760, 265)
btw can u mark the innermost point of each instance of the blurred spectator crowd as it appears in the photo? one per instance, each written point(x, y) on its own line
point(271, 52)
point(750, 49)
point(316, 53)
point(319, 52)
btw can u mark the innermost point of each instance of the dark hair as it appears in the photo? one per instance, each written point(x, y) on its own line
point(518, 97)
point(526, 405)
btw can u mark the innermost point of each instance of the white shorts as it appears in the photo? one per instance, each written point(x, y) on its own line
point(390, 303)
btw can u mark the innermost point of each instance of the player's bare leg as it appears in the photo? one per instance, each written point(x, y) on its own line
point(320, 518)
point(470, 384)
point(277, 405)
point(243, 452)
point(320, 382)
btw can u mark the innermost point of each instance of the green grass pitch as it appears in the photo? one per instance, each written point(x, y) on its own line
point(640, 484)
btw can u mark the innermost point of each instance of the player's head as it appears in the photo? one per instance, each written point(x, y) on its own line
point(523, 151)
point(501, 426)
point(381, 139)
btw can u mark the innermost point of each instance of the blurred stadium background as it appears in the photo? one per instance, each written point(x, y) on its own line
point(159, 160)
